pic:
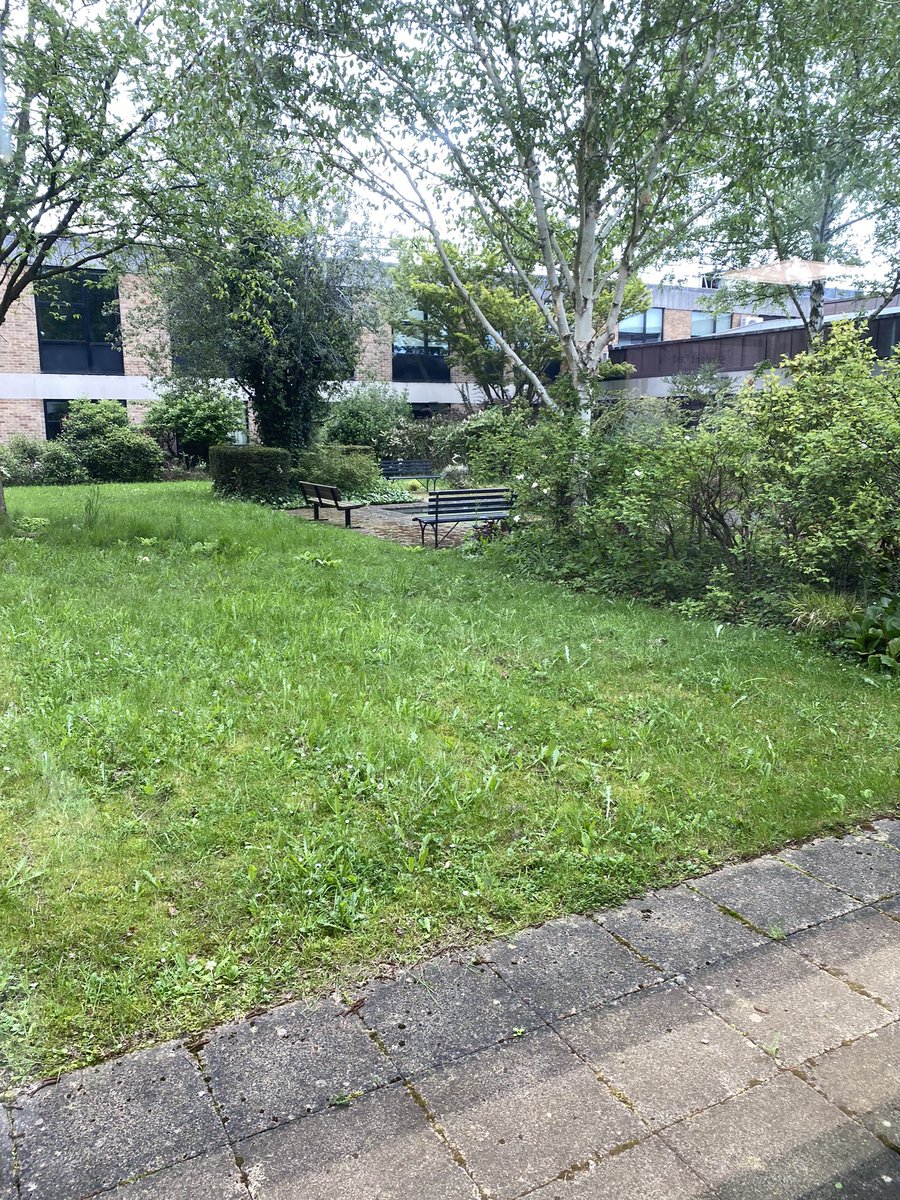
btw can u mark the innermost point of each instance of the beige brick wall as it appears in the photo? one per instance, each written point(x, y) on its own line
point(18, 338)
point(145, 342)
point(676, 324)
point(21, 416)
point(375, 350)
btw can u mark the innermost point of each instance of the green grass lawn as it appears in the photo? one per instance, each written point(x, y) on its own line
point(244, 756)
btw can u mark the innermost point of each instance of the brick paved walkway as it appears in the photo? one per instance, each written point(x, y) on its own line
point(737, 1038)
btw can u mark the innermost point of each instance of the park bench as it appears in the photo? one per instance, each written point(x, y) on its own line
point(464, 506)
point(320, 495)
point(410, 468)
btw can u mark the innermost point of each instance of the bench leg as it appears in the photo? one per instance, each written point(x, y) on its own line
point(315, 512)
point(347, 513)
point(435, 535)
point(422, 533)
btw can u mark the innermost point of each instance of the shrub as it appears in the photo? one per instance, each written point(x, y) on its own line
point(368, 414)
point(252, 472)
point(22, 460)
point(457, 475)
point(194, 414)
point(60, 465)
point(353, 474)
point(874, 636)
point(106, 445)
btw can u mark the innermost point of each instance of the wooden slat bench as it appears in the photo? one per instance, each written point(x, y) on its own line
point(465, 506)
point(320, 495)
point(410, 468)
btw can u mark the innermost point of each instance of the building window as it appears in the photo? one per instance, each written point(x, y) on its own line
point(54, 412)
point(642, 327)
point(419, 352)
point(78, 325)
point(703, 324)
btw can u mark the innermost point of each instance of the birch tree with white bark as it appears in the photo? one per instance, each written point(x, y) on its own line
point(596, 133)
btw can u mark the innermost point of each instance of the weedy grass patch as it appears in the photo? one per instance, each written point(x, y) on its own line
point(242, 756)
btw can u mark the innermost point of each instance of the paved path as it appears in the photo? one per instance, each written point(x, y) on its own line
point(391, 522)
point(738, 1038)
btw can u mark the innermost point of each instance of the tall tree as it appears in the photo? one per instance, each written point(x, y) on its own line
point(593, 134)
point(278, 306)
point(115, 114)
point(825, 178)
point(117, 111)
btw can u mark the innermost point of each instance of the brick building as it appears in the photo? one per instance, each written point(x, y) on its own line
point(83, 338)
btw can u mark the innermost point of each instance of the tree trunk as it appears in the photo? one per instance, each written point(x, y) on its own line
point(2, 501)
point(816, 307)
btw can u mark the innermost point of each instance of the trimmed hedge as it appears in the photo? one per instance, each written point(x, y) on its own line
point(256, 472)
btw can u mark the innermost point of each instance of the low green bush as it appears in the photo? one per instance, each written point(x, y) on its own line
point(353, 474)
point(194, 414)
point(729, 506)
point(368, 414)
point(251, 472)
point(874, 636)
point(22, 461)
point(98, 444)
point(103, 441)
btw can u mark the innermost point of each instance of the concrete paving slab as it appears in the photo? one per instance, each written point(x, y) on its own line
point(380, 1147)
point(889, 829)
point(679, 930)
point(442, 1011)
point(568, 965)
point(863, 1080)
point(861, 866)
point(891, 907)
point(648, 1171)
point(666, 1053)
point(773, 896)
point(7, 1165)
point(863, 948)
point(786, 1005)
point(102, 1125)
point(289, 1063)
point(210, 1177)
point(523, 1112)
point(782, 1141)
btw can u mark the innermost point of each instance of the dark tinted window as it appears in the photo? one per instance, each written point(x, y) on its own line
point(78, 325)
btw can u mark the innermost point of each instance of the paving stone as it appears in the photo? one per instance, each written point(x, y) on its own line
point(785, 1004)
point(889, 829)
point(444, 1010)
point(7, 1172)
point(568, 965)
point(288, 1063)
point(522, 1112)
point(862, 866)
point(105, 1124)
point(773, 896)
point(648, 1171)
point(891, 907)
point(863, 1079)
point(782, 1141)
point(666, 1053)
point(380, 1147)
point(679, 930)
point(863, 947)
point(210, 1177)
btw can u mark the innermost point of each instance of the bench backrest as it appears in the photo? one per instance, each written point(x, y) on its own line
point(405, 466)
point(320, 493)
point(471, 500)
